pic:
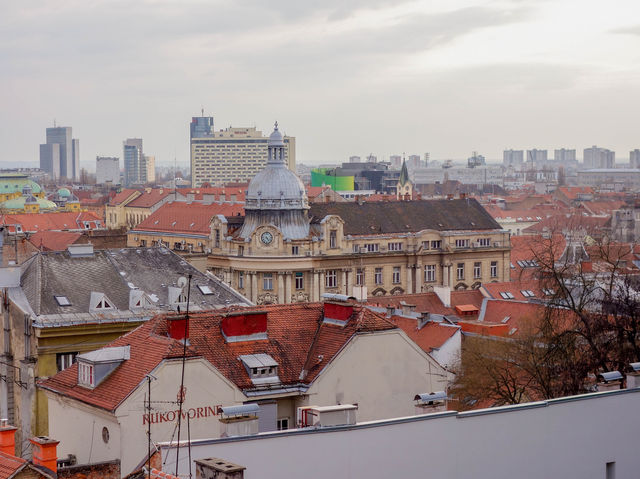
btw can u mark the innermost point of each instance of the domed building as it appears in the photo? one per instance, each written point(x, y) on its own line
point(284, 250)
point(28, 202)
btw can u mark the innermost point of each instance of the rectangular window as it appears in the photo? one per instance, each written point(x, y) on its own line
point(356, 248)
point(283, 423)
point(331, 278)
point(477, 270)
point(378, 276)
point(494, 269)
point(395, 246)
point(267, 281)
point(425, 245)
point(240, 279)
point(436, 244)
point(460, 271)
point(333, 239)
point(483, 242)
point(396, 275)
point(85, 374)
point(372, 247)
point(299, 280)
point(462, 243)
point(360, 277)
point(240, 250)
point(295, 250)
point(217, 244)
point(65, 360)
point(430, 273)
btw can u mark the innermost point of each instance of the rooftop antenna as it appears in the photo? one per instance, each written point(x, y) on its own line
point(54, 122)
point(181, 394)
point(202, 110)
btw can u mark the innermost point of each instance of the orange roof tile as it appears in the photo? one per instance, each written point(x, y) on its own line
point(122, 196)
point(429, 302)
point(53, 240)
point(149, 198)
point(187, 218)
point(298, 341)
point(9, 465)
point(431, 336)
point(57, 221)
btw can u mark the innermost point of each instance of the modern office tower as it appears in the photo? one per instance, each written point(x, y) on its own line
point(596, 157)
point(634, 158)
point(133, 162)
point(354, 159)
point(395, 160)
point(60, 155)
point(536, 157)
point(564, 155)
point(476, 160)
point(233, 154)
point(201, 127)
point(512, 157)
point(107, 170)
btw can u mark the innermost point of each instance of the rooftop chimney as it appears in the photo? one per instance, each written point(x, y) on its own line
point(214, 468)
point(391, 309)
point(338, 311)
point(45, 452)
point(407, 308)
point(7, 437)
point(178, 327)
point(245, 326)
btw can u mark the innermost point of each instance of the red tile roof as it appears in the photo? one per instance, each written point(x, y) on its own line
point(58, 221)
point(506, 318)
point(602, 208)
point(429, 302)
point(9, 465)
point(217, 193)
point(570, 222)
point(515, 288)
point(431, 336)
point(572, 192)
point(149, 198)
point(123, 196)
point(187, 218)
point(298, 341)
point(53, 240)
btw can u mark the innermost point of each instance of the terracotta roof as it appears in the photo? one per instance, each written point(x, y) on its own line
point(572, 192)
point(149, 198)
point(404, 216)
point(9, 465)
point(515, 289)
point(23, 248)
point(571, 222)
point(216, 192)
point(297, 337)
point(432, 335)
point(529, 247)
point(53, 240)
point(123, 196)
point(505, 318)
point(429, 302)
point(602, 207)
point(58, 221)
point(187, 218)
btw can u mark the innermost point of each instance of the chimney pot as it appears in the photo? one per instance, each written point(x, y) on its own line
point(7, 437)
point(45, 452)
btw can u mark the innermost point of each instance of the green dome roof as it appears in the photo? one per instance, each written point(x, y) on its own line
point(18, 203)
point(13, 185)
point(64, 192)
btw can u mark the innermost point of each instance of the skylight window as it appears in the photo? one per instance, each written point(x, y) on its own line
point(204, 289)
point(63, 301)
point(506, 295)
point(527, 293)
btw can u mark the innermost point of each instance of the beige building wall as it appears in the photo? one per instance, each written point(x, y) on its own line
point(382, 373)
point(233, 154)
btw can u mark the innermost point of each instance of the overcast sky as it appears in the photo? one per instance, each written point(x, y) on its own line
point(346, 77)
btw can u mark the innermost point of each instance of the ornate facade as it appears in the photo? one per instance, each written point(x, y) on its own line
point(286, 251)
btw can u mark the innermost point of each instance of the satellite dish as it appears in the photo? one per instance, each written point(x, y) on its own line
point(182, 282)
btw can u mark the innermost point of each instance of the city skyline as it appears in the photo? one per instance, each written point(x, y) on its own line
point(446, 78)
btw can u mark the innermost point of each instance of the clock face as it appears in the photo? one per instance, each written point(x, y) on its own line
point(266, 237)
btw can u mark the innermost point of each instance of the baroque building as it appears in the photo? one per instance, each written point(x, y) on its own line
point(284, 250)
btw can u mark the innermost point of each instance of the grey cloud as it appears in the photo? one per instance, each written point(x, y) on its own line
point(635, 30)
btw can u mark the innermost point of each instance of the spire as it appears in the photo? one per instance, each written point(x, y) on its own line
point(404, 174)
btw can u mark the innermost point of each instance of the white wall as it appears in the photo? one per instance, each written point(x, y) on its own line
point(449, 353)
point(564, 438)
point(381, 372)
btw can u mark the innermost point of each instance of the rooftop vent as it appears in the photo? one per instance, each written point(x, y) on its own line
point(80, 250)
point(245, 326)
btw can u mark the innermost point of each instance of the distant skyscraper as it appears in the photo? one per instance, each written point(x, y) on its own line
point(564, 155)
point(201, 127)
point(60, 155)
point(395, 160)
point(133, 161)
point(354, 159)
point(413, 161)
point(596, 157)
point(634, 158)
point(233, 154)
point(107, 169)
point(512, 157)
point(148, 169)
point(537, 157)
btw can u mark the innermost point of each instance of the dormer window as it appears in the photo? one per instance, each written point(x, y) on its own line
point(103, 304)
point(99, 302)
point(262, 368)
point(62, 300)
point(96, 366)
